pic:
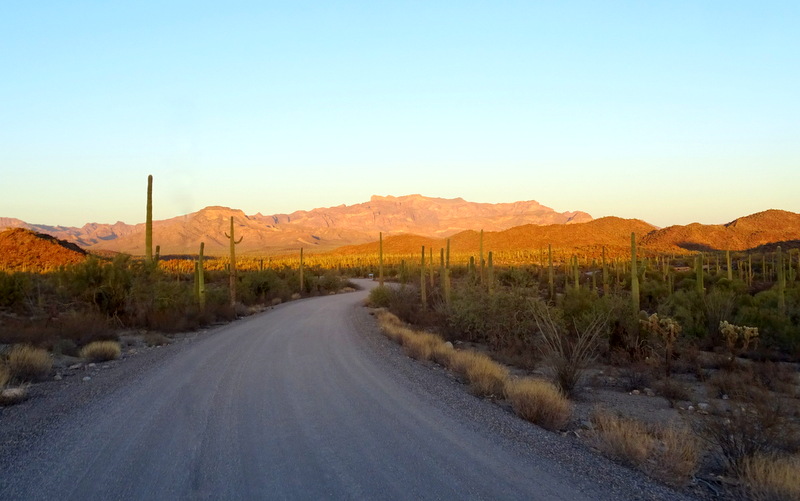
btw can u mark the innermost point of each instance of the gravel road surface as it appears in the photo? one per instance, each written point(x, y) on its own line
point(305, 401)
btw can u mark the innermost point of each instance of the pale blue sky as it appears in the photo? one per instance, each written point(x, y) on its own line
point(669, 111)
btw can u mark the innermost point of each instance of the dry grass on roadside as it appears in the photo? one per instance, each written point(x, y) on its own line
point(671, 454)
point(4, 376)
point(420, 345)
point(27, 363)
point(622, 439)
point(486, 377)
point(101, 351)
point(771, 478)
point(677, 456)
point(539, 402)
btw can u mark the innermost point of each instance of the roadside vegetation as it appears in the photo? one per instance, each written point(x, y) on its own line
point(715, 336)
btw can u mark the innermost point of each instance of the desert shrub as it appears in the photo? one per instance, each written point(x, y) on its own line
point(736, 384)
point(636, 376)
point(776, 376)
point(379, 297)
point(770, 477)
point(747, 430)
point(14, 288)
point(622, 439)
point(539, 402)
point(101, 351)
point(82, 327)
point(27, 363)
point(501, 319)
point(568, 351)
point(5, 375)
point(65, 347)
point(672, 390)
point(155, 339)
point(687, 308)
point(720, 306)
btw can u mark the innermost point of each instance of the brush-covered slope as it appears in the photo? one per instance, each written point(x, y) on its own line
point(25, 250)
point(612, 232)
point(762, 228)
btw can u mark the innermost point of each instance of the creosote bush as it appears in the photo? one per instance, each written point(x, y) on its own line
point(27, 363)
point(101, 351)
point(539, 402)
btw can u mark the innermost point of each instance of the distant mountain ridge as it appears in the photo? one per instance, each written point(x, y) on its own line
point(316, 230)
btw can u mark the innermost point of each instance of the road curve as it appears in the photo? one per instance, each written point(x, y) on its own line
point(293, 404)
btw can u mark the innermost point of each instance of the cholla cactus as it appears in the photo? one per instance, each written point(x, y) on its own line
point(667, 329)
point(738, 338)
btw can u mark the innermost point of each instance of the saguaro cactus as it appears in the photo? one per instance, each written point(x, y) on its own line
point(380, 259)
point(490, 277)
point(302, 279)
point(698, 269)
point(605, 273)
point(199, 279)
point(447, 273)
point(551, 273)
point(148, 225)
point(728, 264)
point(232, 268)
point(781, 285)
point(423, 295)
point(634, 277)
point(482, 262)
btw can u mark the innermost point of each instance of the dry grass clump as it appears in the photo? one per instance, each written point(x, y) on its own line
point(677, 456)
point(27, 363)
point(101, 351)
point(420, 345)
point(486, 377)
point(771, 478)
point(738, 385)
point(622, 439)
point(539, 402)
point(4, 376)
point(672, 390)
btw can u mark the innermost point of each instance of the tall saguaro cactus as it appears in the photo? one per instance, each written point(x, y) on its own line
point(781, 282)
point(447, 273)
point(302, 270)
point(551, 273)
point(232, 267)
point(634, 277)
point(422, 293)
point(728, 264)
point(200, 284)
point(380, 259)
point(148, 225)
point(482, 262)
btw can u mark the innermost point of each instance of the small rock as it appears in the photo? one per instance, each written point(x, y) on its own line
point(725, 397)
point(690, 408)
point(91, 365)
point(58, 377)
point(702, 406)
point(635, 392)
point(106, 367)
point(649, 392)
point(86, 378)
point(74, 366)
point(448, 344)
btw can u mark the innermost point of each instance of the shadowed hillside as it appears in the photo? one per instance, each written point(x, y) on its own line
point(749, 232)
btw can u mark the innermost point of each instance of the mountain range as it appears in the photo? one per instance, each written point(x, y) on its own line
point(317, 230)
point(408, 222)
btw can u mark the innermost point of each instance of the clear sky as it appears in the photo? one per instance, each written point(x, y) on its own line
point(668, 111)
